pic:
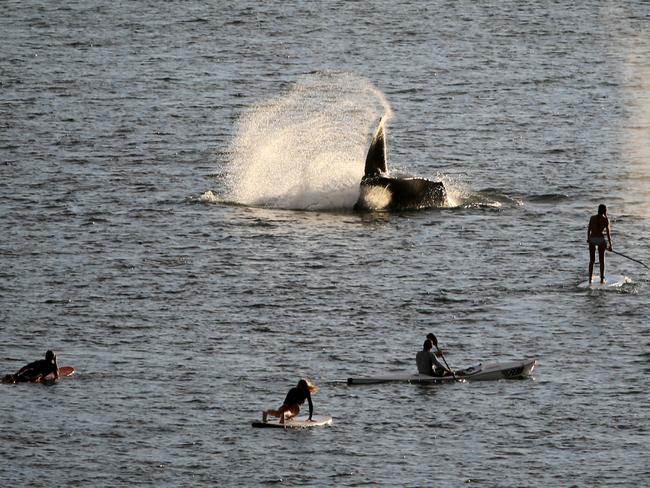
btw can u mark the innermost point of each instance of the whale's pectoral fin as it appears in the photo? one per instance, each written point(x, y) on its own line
point(376, 158)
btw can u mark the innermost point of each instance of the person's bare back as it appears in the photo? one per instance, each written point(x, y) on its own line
point(597, 224)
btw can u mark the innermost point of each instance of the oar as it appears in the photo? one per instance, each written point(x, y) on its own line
point(445, 361)
point(628, 257)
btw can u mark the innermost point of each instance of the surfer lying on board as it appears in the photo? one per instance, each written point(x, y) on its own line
point(597, 225)
point(428, 363)
point(292, 402)
point(35, 371)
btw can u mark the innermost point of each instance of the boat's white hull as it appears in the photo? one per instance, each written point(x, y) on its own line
point(514, 369)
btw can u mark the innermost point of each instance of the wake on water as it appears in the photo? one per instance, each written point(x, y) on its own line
point(306, 149)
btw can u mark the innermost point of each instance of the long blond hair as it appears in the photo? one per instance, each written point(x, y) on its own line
point(305, 384)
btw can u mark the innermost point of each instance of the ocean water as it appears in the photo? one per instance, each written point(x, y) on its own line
point(176, 184)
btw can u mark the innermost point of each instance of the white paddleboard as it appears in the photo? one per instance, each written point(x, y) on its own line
point(300, 422)
point(611, 282)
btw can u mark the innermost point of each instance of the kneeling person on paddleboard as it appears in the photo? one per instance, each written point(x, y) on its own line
point(35, 371)
point(427, 362)
point(597, 225)
point(292, 402)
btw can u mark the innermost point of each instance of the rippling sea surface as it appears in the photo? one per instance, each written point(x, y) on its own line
point(176, 180)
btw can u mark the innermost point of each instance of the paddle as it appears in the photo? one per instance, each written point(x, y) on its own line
point(445, 361)
point(628, 257)
point(434, 339)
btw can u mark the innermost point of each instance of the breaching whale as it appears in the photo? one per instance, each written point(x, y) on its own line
point(377, 191)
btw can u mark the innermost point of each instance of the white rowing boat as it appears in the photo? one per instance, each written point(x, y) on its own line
point(514, 369)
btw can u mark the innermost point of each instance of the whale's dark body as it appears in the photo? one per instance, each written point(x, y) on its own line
point(378, 191)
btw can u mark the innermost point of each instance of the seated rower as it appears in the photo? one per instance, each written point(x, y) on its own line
point(428, 363)
point(292, 402)
point(35, 371)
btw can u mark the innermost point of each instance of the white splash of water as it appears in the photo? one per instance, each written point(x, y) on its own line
point(458, 191)
point(305, 149)
point(375, 197)
point(460, 194)
point(208, 197)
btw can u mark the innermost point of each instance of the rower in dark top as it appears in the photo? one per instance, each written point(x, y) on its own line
point(35, 371)
point(295, 397)
point(427, 362)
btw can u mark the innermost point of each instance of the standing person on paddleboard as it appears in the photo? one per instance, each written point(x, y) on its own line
point(35, 371)
point(597, 225)
point(292, 402)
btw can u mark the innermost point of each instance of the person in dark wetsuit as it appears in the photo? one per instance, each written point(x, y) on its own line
point(597, 225)
point(35, 371)
point(292, 402)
